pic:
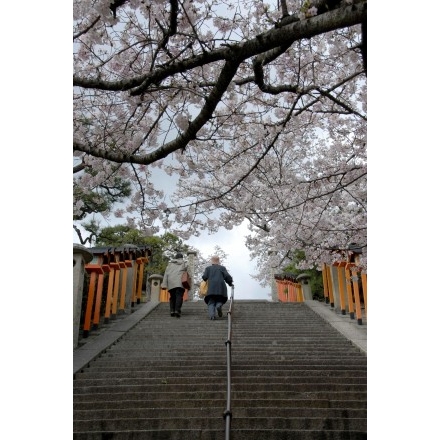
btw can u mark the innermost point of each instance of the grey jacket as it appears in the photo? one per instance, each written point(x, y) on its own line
point(172, 277)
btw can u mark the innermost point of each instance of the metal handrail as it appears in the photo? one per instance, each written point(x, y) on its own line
point(227, 415)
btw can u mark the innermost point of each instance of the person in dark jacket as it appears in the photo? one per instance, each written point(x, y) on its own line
point(217, 277)
point(172, 281)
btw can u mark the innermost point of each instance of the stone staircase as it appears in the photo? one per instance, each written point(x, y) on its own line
point(293, 377)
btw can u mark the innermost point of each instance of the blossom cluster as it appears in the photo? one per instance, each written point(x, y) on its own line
point(249, 120)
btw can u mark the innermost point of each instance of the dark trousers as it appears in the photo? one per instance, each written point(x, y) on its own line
point(176, 299)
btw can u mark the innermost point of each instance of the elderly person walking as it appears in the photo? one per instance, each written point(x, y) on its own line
point(172, 281)
point(217, 277)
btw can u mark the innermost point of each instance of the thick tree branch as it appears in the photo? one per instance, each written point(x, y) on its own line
point(115, 5)
point(78, 168)
point(224, 79)
point(345, 16)
point(284, 10)
point(87, 28)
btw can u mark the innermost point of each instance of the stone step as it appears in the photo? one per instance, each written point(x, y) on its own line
point(117, 368)
point(218, 386)
point(219, 434)
point(208, 421)
point(312, 403)
point(242, 345)
point(116, 395)
point(241, 381)
point(238, 363)
point(285, 373)
point(194, 351)
point(238, 412)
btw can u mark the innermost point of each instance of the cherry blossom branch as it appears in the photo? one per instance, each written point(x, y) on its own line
point(224, 79)
point(76, 36)
point(340, 103)
point(286, 35)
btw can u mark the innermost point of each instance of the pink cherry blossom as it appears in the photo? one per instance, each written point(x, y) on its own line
point(250, 112)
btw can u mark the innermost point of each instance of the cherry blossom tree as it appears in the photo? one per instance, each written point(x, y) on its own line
point(259, 108)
